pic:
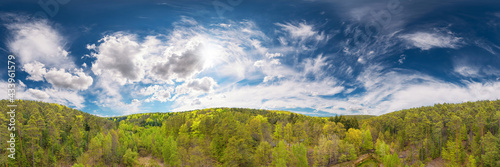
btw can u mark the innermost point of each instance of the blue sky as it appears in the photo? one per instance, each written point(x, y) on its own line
point(313, 57)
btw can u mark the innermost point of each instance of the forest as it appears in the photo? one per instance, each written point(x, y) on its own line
point(465, 134)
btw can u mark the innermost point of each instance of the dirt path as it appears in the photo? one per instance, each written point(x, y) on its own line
point(145, 161)
point(359, 160)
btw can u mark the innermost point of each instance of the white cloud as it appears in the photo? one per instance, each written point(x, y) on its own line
point(69, 98)
point(429, 94)
point(35, 70)
point(38, 94)
point(180, 67)
point(37, 41)
point(259, 63)
point(302, 35)
point(204, 85)
point(62, 79)
point(156, 93)
point(401, 59)
point(300, 31)
point(426, 41)
point(120, 55)
point(65, 97)
point(392, 90)
point(292, 90)
point(285, 94)
point(177, 58)
point(273, 55)
point(39, 47)
point(467, 71)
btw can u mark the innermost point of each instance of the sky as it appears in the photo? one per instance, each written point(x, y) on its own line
point(314, 57)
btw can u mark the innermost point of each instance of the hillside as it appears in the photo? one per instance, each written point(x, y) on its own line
point(54, 135)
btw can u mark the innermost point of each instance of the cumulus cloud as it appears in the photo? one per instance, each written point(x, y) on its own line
point(65, 97)
point(120, 55)
point(180, 66)
point(69, 98)
point(35, 70)
point(426, 41)
point(156, 93)
point(285, 94)
point(37, 41)
point(176, 58)
point(293, 90)
point(62, 79)
point(205, 84)
point(273, 55)
point(39, 46)
point(38, 94)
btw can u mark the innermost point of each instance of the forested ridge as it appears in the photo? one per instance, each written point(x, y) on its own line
point(465, 134)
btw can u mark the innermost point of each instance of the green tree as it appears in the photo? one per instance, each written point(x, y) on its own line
point(300, 155)
point(355, 137)
point(472, 161)
point(288, 133)
point(328, 150)
point(4, 135)
point(497, 116)
point(263, 154)
point(391, 160)
point(316, 156)
point(95, 148)
point(450, 153)
point(170, 155)
point(491, 150)
point(280, 155)
point(197, 158)
point(107, 149)
point(381, 149)
point(233, 154)
point(33, 137)
point(130, 158)
point(278, 132)
point(367, 140)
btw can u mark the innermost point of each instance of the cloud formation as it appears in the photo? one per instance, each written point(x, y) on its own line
point(62, 79)
point(426, 41)
point(180, 67)
point(37, 41)
point(120, 55)
point(355, 67)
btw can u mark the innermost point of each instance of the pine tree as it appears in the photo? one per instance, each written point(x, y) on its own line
point(280, 155)
point(450, 153)
point(367, 140)
point(491, 150)
point(288, 133)
point(355, 137)
point(263, 154)
point(130, 158)
point(278, 132)
point(4, 135)
point(472, 161)
point(300, 155)
point(233, 154)
point(34, 136)
point(170, 155)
